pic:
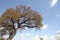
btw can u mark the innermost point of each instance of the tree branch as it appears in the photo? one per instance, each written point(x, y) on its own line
point(13, 32)
point(24, 22)
point(29, 26)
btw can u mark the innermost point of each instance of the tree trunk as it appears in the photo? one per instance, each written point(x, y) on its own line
point(12, 34)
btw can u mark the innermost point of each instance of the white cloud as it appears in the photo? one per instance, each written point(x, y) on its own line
point(56, 36)
point(45, 37)
point(44, 27)
point(29, 36)
point(58, 31)
point(52, 37)
point(53, 3)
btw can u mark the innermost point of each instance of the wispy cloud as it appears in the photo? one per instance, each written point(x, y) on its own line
point(53, 3)
point(44, 27)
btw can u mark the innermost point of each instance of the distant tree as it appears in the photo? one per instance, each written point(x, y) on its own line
point(22, 16)
point(1, 39)
point(41, 38)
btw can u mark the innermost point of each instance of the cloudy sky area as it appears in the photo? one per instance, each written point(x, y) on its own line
point(29, 36)
point(49, 9)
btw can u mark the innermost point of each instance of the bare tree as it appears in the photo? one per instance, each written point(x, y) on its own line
point(23, 16)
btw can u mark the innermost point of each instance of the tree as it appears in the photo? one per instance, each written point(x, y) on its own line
point(2, 39)
point(23, 16)
point(41, 38)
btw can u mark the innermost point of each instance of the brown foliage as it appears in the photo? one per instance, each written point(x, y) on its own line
point(23, 16)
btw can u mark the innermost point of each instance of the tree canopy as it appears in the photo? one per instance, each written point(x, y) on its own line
point(23, 16)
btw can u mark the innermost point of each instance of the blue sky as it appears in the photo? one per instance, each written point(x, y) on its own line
point(49, 9)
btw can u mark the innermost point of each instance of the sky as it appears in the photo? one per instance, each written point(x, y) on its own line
point(29, 36)
point(49, 9)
